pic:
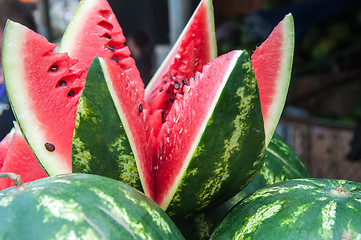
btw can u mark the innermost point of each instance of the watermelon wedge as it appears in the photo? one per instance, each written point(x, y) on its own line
point(110, 152)
point(42, 89)
point(195, 47)
point(272, 63)
point(222, 130)
point(46, 110)
point(19, 159)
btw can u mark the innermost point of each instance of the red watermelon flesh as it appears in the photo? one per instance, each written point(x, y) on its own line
point(95, 31)
point(48, 117)
point(194, 48)
point(272, 63)
point(19, 159)
point(4, 146)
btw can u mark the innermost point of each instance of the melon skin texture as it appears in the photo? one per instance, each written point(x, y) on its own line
point(81, 206)
point(272, 63)
point(297, 209)
point(100, 141)
point(281, 164)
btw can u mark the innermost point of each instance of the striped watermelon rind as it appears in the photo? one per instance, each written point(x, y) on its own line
point(297, 209)
point(100, 142)
point(81, 206)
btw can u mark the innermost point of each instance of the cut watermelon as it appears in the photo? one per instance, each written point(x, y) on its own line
point(19, 159)
point(40, 85)
point(216, 122)
point(195, 47)
point(272, 64)
point(46, 110)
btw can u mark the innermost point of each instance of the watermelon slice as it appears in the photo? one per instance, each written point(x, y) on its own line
point(46, 110)
point(19, 159)
point(272, 63)
point(195, 47)
point(43, 109)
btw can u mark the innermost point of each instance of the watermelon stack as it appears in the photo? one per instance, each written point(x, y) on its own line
point(193, 139)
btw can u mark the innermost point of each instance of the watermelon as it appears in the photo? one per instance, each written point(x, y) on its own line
point(46, 110)
point(185, 141)
point(81, 206)
point(281, 164)
point(19, 159)
point(297, 209)
point(193, 112)
point(272, 63)
point(195, 47)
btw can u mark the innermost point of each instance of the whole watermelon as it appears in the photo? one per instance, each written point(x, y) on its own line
point(297, 209)
point(81, 206)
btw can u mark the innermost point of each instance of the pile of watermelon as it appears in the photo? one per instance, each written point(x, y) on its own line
point(102, 157)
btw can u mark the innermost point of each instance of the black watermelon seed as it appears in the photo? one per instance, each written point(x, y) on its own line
point(106, 35)
point(171, 100)
point(71, 93)
point(168, 92)
point(165, 81)
point(174, 95)
point(54, 68)
point(161, 90)
point(114, 59)
point(50, 147)
point(140, 108)
point(176, 85)
point(184, 82)
point(62, 83)
point(111, 48)
point(171, 77)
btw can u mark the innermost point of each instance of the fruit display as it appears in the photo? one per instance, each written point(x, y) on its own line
point(103, 157)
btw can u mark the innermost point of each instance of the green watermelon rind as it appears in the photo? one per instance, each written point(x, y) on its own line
point(296, 209)
point(81, 206)
point(100, 142)
point(171, 55)
point(236, 117)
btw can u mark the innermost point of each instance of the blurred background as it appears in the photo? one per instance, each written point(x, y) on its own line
point(322, 117)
